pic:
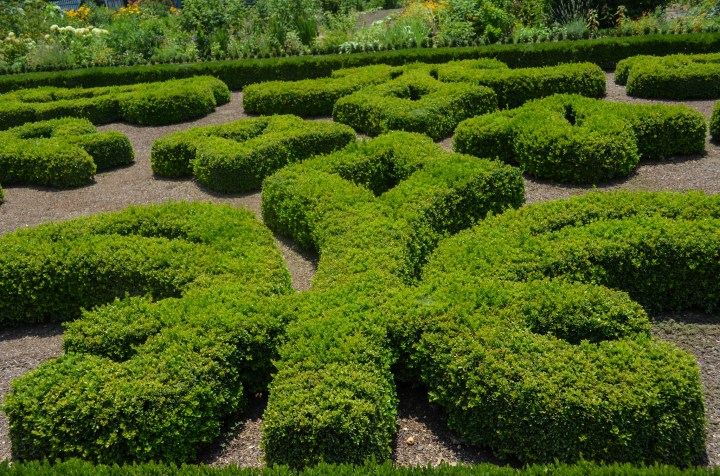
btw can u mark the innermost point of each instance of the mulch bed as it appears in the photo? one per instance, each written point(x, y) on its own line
point(423, 437)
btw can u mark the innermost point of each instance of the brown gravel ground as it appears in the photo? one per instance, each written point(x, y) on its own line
point(423, 438)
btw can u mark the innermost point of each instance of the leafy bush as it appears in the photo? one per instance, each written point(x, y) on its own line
point(528, 286)
point(145, 378)
point(237, 156)
point(60, 153)
point(715, 122)
point(671, 77)
point(517, 86)
point(144, 104)
point(582, 140)
point(414, 102)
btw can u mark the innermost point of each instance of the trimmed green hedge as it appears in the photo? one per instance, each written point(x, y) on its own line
point(374, 211)
point(530, 286)
point(514, 87)
point(145, 104)
point(60, 152)
point(605, 52)
point(715, 123)
point(151, 375)
point(580, 140)
point(313, 97)
point(671, 77)
point(414, 102)
point(237, 156)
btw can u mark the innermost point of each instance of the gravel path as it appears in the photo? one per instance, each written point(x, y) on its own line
point(423, 438)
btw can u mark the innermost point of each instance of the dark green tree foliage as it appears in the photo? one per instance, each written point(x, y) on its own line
point(145, 104)
point(60, 153)
point(237, 156)
point(414, 102)
point(179, 327)
point(580, 140)
point(671, 77)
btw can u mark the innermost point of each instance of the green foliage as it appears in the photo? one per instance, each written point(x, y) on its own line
point(621, 396)
point(312, 97)
point(671, 77)
point(237, 156)
point(144, 104)
point(144, 378)
point(60, 153)
point(715, 123)
point(582, 140)
point(414, 102)
point(517, 86)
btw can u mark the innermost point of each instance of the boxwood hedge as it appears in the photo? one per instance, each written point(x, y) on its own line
point(671, 77)
point(145, 104)
point(60, 152)
point(237, 156)
point(715, 122)
point(414, 102)
point(576, 139)
point(152, 374)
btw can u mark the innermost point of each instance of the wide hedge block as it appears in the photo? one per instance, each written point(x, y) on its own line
point(145, 103)
point(414, 102)
point(236, 157)
point(581, 140)
point(671, 77)
point(514, 87)
point(60, 153)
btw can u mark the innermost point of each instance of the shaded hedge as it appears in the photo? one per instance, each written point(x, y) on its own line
point(179, 327)
point(145, 104)
point(414, 102)
point(237, 156)
point(605, 52)
point(671, 77)
point(580, 140)
point(715, 122)
point(60, 153)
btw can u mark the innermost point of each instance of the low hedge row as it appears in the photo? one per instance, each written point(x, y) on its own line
point(151, 375)
point(576, 139)
point(60, 152)
point(313, 97)
point(715, 123)
point(414, 102)
point(78, 467)
point(145, 104)
point(237, 156)
point(514, 87)
point(671, 77)
point(374, 210)
point(510, 306)
point(605, 52)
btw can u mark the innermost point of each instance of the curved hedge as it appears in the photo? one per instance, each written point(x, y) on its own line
point(152, 374)
point(60, 152)
point(414, 102)
point(147, 104)
point(237, 156)
point(514, 87)
point(581, 140)
point(671, 77)
point(524, 379)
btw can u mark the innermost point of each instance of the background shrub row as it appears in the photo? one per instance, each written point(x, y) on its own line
point(605, 52)
point(237, 156)
point(374, 210)
point(145, 104)
point(543, 331)
point(671, 77)
point(576, 139)
point(153, 374)
point(60, 152)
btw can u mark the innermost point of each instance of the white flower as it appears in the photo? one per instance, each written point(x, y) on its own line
point(54, 27)
point(47, 37)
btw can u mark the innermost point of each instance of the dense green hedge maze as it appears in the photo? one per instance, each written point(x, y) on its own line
point(152, 374)
point(60, 153)
point(576, 139)
point(237, 156)
point(145, 104)
point(671, 77)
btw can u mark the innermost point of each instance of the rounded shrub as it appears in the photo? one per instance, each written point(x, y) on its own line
point(671, 77)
